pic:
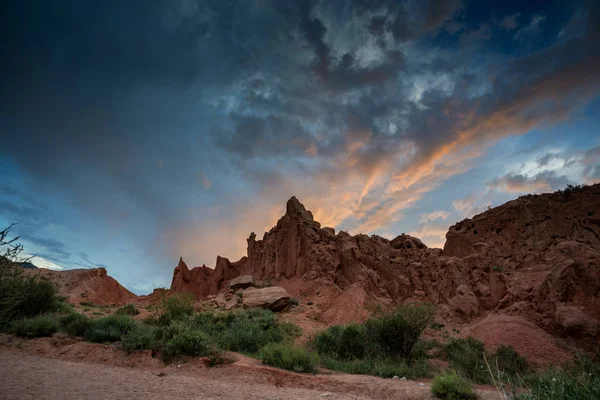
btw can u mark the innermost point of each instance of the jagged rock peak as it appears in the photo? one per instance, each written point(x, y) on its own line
point(295, 209)
point(182, 264)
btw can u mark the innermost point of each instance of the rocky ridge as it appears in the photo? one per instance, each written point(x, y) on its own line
point(92, 285)
point(537, 257)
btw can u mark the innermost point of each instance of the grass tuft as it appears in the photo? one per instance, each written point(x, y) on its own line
point(109, 329)
point(450, 386)
point(466, 357)
point(33, 327)
point(128, 309)
point(286, 356)
point(24, 296)
point(74, 324)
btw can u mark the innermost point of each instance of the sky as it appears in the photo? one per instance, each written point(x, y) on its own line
point(135, 132)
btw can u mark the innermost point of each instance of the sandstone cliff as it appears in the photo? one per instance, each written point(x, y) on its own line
point(87, 285)
point(536, 257)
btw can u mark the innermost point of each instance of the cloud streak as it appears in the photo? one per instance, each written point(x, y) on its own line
point(185, 125)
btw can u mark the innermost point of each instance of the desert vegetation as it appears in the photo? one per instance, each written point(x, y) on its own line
point(388, 344)
point(451, 386)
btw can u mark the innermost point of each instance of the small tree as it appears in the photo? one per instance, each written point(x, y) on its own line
point(10, 249)
point(21, 295)
point(397, 333)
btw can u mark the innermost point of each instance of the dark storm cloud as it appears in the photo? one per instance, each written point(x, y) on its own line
point(22, 212)
point(125, 104)
point(345, 94)
point(518, 183)
point(56, 248)
point(256, 136)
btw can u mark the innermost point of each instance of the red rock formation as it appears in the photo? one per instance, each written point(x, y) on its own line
point(537, 257)
point(87, 285)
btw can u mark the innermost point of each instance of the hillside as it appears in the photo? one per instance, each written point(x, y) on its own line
point(87, 285)
point(535, 259)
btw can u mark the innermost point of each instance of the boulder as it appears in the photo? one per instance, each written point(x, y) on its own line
point(220, 300)
point(272, 298)
point(241, 282)
point(232, 303)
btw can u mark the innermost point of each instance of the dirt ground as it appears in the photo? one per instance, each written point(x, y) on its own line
point(52, 369)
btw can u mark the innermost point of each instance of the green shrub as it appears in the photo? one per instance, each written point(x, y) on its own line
point(175, 308)
point(386, 345)
point(421, 348)
point(385, 367)
point(142, 337)
point(466, 357)
point(128, 309)
point(24, 296)
point(436, 326)
point(506, 360)
point(450, 386)
point(179, 306)
point(396, 333)
point(109, 329)
point(74, 324)
point(244, 331)
point(288, 357)
point(289, 331)
point(248, 337)
point(343, 342)
point(38, 326)
point(188, 342)
point(217, 358)
point(578, 380)
point(294, 302)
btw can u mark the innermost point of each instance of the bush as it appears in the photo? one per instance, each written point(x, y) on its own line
point(386, 345)
point(342, 342)
point(217, 358)
point(24, 296)
point(245, 331)
point(109, 329)
point(247, 336)
point(188, 342)
point(578, 380)
point(508, 361)
point(74, 324)
point(384, 368)
point(466, 357)
point(142, 337)
point(180, 306)
point(288, 357)
point(396, 333)
point(38, 326)
point(421, 348)
point(175, 308)
point(289, 331)
point(450, 386)
point(128, 309)
point(294, 302)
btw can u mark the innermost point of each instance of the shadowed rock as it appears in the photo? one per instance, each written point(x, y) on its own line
point(537, 256)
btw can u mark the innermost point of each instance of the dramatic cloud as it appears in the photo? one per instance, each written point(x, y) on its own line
point(433, 216)
point(521, 184)
point(169, 128)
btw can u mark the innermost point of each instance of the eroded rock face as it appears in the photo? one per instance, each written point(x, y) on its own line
point(536, 256)
point(87, 285)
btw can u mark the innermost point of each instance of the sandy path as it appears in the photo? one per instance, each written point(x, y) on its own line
point(24, 376)
point(39, 370)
